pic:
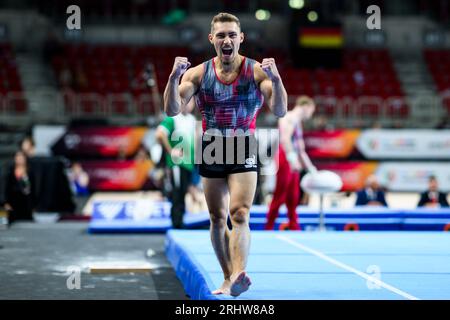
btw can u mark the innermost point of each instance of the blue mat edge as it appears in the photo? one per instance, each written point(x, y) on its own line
point(194, 278)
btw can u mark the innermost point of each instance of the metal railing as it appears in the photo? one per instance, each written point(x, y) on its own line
point(344, 111)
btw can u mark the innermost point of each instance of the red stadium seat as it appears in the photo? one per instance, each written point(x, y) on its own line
point(114, 69)
point(15, 102)
point(397, 108)
point(439, 65)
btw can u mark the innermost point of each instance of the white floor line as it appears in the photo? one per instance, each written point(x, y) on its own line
point(348, 268)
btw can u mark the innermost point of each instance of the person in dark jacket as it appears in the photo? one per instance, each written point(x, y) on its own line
point(19, 200)
point(433, 197)
point(372, 194)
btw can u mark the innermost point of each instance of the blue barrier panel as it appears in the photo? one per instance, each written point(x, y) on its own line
point(154, 216)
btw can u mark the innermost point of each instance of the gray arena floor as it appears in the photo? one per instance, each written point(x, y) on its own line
point(37, 261)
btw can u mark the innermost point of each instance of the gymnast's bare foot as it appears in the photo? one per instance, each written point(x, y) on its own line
point(224, 289)
point(239, 284)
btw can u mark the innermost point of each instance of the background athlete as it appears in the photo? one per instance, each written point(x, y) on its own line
point(229, 90)
point(292, 158)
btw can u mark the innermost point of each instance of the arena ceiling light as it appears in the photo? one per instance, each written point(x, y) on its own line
point(262, 14)
point(313, 16)
point(296, 4)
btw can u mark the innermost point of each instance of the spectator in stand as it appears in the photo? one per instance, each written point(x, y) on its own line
point(433, 198)
point(65, 77)
point(360, 81)
point(372, 194)
point(377, 125)
point(19, 196)
point(398, 124)
point(81, 81)
point(321, 123)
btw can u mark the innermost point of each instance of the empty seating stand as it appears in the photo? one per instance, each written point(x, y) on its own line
point(439, 65)
point(110, 79)
point(365, 87)
point(12, 99)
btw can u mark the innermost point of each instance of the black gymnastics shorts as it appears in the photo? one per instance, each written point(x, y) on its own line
point(223, 155)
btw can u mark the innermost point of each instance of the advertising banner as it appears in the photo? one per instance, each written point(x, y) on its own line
point(100, 141)
point(405, 144)
point(333, 144)
point(117, 175)
point(413, 176)
point(353, 174)
point(374, 144)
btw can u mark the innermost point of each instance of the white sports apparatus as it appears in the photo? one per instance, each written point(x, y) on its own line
point(321, 182)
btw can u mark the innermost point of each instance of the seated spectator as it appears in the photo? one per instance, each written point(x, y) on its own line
point(321, 123)
point(372, 194)
point(358, 78)
point(65, 77)
point(19, 197)
point(81, 81)
point(377, 125)
point(433, 198)
point(146, 78)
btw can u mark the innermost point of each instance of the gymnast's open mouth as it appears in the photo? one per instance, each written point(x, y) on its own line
point(227, 51)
